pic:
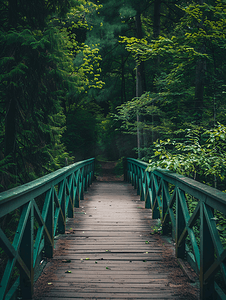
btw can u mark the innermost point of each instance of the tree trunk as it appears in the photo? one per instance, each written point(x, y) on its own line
point(156, 23)
point(11, 102)
point(140, 67)
point(12, 13)
point(199, 88)
point(140, 83)
point(200, 82)
point(10, 124)
point(156, 33)
point(156, 29)
point(123, 86)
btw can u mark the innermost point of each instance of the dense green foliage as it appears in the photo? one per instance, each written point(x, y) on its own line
point(187, 88)
point(199, 154)
point(38, 76)
point(107, 78)
point(78, 76)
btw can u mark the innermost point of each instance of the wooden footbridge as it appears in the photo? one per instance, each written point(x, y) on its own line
point(97, 239)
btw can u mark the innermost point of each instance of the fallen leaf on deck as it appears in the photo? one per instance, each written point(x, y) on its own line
point(66, 260)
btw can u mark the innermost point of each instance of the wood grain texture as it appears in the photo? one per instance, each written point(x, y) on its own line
point(107, 251)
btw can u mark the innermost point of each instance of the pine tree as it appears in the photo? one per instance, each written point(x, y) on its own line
point(37, 72)
point(187, 86)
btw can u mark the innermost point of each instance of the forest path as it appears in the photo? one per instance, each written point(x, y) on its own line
point(107, 172)
point(108, 252)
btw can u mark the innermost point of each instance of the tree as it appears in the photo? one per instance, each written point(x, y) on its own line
point(197, 153)
point(116, 66)
point(37, 75)
point(179, 90)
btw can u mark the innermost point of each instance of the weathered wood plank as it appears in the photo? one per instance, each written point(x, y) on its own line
point(69, 295)
point(110, 218)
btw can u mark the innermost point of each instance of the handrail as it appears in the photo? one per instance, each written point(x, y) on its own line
point(43, 206)
point(167, 194)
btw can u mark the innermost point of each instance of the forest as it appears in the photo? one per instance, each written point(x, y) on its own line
point(108, 79)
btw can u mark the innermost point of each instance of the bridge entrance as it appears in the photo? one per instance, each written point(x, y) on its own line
point(109, 252)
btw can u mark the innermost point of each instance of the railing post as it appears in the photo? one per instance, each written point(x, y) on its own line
point(155, 208)
point(132, 175)
point(77, 185)
point(82, 190)
point(129, 172)
point(85, 178)
point(49, 244)
point(71, 198)
point(62, 195)
point(77, 197)
point(180, 225)
point(165, 213)
point(93, 170)
point(81, 185)
point(206, 254)
point(26, 253)
point(147, 194)
point(89, 169)
point(125, 169)
point(142, 184)
point(137, 183)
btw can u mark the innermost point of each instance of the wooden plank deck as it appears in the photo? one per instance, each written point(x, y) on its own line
point(108, 251)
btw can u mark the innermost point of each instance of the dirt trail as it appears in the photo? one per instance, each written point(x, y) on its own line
point(107, 173)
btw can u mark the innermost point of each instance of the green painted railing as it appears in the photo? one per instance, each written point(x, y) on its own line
point(42, 207)
point(193, 228)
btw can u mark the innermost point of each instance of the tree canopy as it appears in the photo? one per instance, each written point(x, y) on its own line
point(83, 78)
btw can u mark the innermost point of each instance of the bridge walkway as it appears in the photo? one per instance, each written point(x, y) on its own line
point(108, 252)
